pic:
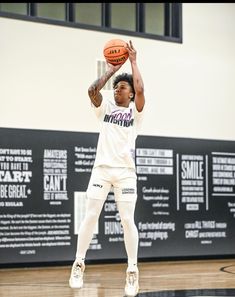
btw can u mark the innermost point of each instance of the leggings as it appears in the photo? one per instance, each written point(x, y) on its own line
point(93, 210)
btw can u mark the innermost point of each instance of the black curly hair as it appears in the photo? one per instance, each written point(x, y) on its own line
point(125, 77)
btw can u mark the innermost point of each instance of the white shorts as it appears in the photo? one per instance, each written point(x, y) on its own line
point(122, 179)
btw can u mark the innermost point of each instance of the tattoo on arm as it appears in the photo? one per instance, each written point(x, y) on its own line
point(96, 86)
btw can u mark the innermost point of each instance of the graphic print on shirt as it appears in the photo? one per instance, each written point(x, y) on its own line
point(120, 118)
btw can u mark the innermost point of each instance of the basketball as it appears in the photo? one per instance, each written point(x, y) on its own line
point(115, 52)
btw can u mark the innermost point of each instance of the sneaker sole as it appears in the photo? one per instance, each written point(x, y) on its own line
point(74, 286)
point(131, 295)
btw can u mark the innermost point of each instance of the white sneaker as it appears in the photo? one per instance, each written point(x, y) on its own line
point(132, 283)
point(76, 277)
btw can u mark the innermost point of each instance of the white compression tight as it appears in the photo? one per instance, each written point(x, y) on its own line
point(93, 210)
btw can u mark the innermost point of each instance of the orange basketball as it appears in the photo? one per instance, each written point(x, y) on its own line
point(115, 52)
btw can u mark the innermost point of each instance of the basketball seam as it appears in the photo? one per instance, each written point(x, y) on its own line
point(111, 57)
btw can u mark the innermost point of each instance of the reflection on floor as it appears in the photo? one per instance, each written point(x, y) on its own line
point(191, 293)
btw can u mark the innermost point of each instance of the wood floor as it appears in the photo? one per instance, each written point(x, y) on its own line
point(107, 280)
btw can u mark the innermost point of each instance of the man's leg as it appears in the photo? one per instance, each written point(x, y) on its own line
point(86, 230)
point(131, 239)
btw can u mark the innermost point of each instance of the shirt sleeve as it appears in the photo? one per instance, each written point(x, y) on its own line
point(100, 110)
point(138, 116)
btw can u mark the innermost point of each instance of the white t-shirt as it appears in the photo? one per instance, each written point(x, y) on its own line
point(119, 129)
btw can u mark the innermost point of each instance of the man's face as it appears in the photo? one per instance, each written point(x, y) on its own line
point(122, 93)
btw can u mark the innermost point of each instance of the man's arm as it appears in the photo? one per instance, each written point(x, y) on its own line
point(98, 84)
point(137, 79)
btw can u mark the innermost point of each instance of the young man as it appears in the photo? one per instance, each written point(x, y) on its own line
point(114, 165)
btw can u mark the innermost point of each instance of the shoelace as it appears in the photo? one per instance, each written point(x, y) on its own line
point(131, 278)
point(77, 270)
